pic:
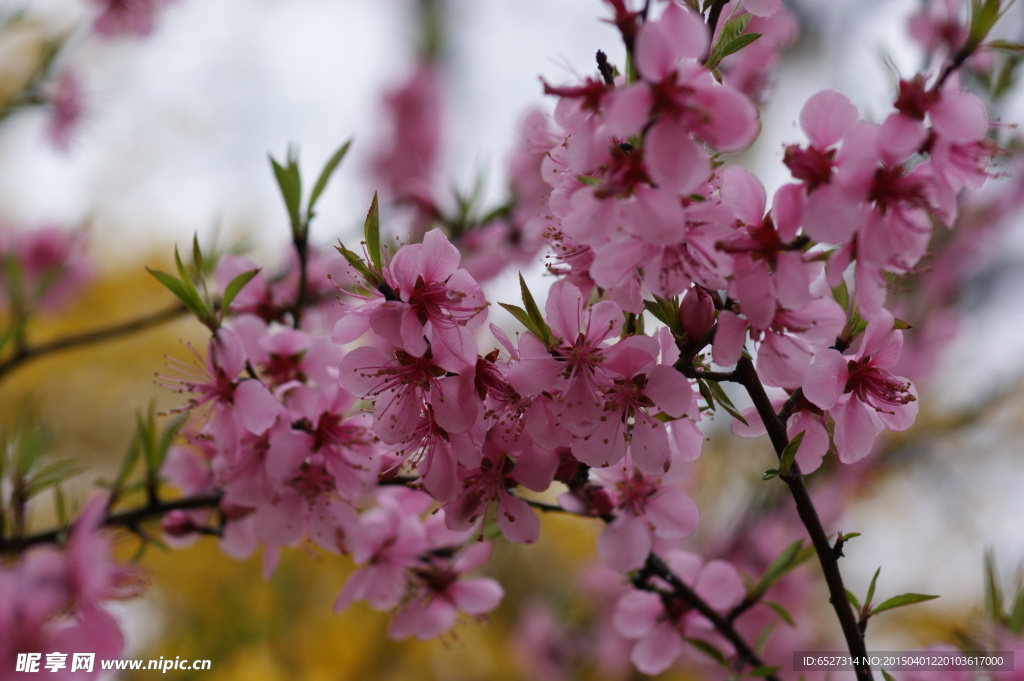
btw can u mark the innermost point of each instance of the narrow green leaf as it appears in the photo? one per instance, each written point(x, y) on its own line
point(781, 612)
point(371, 232)
point(325, 176)
point(887, 676)
point(705, 392)
point(900, 325)
point(127, 465)
point(737, 44)
point(235, 286)
point(789, 558)
point(540, 327)
point(290, 184)
point(841, 294)
point(187, 295)
point(709, 650)
point(183, 272)
point(993, 591)
point(853, 599)
point(871, 588)
point(730, 32)
point(587, 180)
point(900, 601)
point(1015, 623)
point(197, 254)
point(521, 316)
point(770, 473)
point(1005, 45)
point(763, 670)
point(358, 265)
point(789, 453)
point(723, 398)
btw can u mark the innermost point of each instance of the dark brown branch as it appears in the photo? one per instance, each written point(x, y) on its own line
point(28, 353)
point(809, 517)
point(130, 519)
point(657, 566)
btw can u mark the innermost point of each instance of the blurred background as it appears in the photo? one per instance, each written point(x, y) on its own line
point(171, 140)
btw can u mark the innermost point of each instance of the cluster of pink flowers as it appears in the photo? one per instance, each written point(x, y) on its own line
point(54, 599)
point(630, 191)
point(366, 411)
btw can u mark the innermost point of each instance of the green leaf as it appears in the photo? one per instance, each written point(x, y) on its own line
point(887, 676)
point(993, 592)
point(290, 183)
point(901, 600)
point(1005, 45)
point(522, 317)
point(871, 588)
point(587, 180)
point(841, 294)
point(197, 254)
point(790, 557)
point(235, 286)
point(739, 43)
point(763, 670)
point(325, 176)
point(789, 453)
point(900, 325)
point(709, 650)
point(705, 392)
point(770, 473)
point(781, 612)
point(853, 599)
point(723, 398)
point(1015, 622)
point(371, 232)
point(730, 33)
point(540, 327)
point(358, 265)
point(127, 465)
point(186, 293)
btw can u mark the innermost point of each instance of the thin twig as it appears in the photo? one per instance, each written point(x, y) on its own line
point(28, 353)
point(131, 518)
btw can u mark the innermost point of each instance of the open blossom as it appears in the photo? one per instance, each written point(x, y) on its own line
point(219, 386)
point(860, 393)
point(427, 302)
point(574, 363)
point(649, 508)
point(439, 592)
point(640, 387)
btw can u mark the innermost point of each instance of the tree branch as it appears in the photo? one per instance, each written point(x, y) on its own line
point(809, 517)
point(28, 353)
point(131, 519)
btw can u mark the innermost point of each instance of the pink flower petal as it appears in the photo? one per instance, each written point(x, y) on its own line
point(624, 543)
point(826, 379)
point(826, 117)
point(659, 649)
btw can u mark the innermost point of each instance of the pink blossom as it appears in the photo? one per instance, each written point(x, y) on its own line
point(574, 364)
point(639, 388)
point(439, 593)
point(389, 542)
point(649, 507)
point(859, 392)
point(125, 17)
